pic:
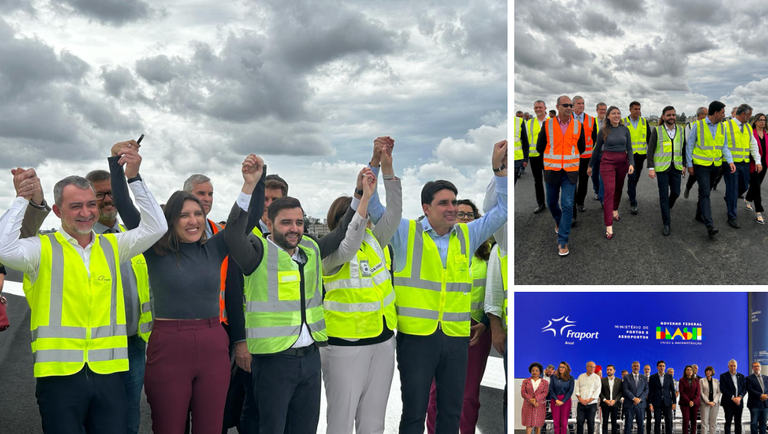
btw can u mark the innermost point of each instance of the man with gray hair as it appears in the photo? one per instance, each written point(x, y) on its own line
point(202, 188)
point(742, 143)
point(589, 125)
point(733, 386)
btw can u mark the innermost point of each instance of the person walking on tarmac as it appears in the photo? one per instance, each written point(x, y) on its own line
point(589, 124)
point(665, 162)
point(640, 130)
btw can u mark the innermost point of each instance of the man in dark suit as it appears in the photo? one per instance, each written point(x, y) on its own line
point(733, 386)
point(758, 399)
point(661, 398)
point(635, 392)
point(610, 400)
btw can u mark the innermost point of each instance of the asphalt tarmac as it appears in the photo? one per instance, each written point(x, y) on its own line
point(639, 254)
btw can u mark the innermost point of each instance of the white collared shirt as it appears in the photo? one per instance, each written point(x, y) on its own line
point(610, 388)
point(588, 387)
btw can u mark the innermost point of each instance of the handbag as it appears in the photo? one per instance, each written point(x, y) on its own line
point(4, 323)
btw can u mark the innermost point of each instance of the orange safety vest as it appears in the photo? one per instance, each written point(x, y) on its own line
point(589, 125)
point(222, 307)
point(562, 152)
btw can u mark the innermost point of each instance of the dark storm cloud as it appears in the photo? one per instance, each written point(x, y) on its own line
point(112, 12)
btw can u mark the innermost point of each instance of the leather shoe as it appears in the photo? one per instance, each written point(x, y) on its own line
point(581, 208)
point(712, 231)
point(687, 193)
point(733, 223)
point(539, 209)
point(665, 231)
point(699, 219)
point(633, 209)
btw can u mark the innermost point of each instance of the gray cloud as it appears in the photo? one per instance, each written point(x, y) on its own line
point(655, 59)
point(17, 5)
point(699, 11)
point(112, 12)
point(600, 24)
point(627, 6)
point(117, 80)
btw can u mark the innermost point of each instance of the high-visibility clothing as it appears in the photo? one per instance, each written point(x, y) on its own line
point(77, 315)
point(562, 152)
point(668, 151)
point(274, 300)
point(257, 231)
point(740, 140)
point(503, 261)
point(639, 135)
point(597, 125)
point(708, 150)
point(479, 271)
point(589, 125)
point(139, 267)
point(215, 228)
point(533, 128)
point(518, 143)
point(360, 296)
point(428, 294)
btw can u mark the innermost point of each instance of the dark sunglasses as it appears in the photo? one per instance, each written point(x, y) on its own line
point(567, 105)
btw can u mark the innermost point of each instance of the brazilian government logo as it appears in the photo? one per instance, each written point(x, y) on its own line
point(687, 334)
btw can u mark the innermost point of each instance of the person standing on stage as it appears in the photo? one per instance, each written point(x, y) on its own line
point(635, 396)
point(665, 162)
point(734, 387)
point(662, 398)
point(587, 391)
point(757, 402)
point(610, 400)
point(560, 391)
point(710, 401)
point(690, 398)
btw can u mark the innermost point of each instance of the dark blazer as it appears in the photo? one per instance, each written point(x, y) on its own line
point(605, 391)
point(754, 390)
point(726, 386)
point(630, 391)
point(689, 392)
point(659, 394)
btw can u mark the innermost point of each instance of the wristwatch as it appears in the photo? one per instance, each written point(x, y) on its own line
point(43, 205)
point(503, 166)
point(360, 192)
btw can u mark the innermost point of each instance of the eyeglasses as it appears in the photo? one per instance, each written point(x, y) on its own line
point(469, 215)
point(100, 195)
point(567, 105)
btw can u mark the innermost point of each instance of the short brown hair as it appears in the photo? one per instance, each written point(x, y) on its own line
point(337, 210)
point(275, 182)
point(709, 368)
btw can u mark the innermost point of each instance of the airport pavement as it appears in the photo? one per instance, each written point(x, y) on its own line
point(638, 254)
point(19, 412)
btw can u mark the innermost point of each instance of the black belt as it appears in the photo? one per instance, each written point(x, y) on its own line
point(299, 352)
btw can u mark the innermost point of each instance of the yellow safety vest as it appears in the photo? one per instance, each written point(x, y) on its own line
point(668, 150)
point(740, 140)
point(257, 231)
point(77, 315)
point(139, 267)
point(503, 262)
point(360, 294)
point(533, 128)
point(479, 270)
point(518, 143)
point(428, 294)
point(273, 299)
point(639, 135)
point(710, 150)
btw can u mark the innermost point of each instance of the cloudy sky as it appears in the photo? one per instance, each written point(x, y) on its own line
point(307, 85)
point(684, 53)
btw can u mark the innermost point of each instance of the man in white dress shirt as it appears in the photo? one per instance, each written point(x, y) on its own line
point(587, 391)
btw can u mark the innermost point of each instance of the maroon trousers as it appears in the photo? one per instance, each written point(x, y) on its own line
point(613, 169)
point(187, 367)
point(476, 362)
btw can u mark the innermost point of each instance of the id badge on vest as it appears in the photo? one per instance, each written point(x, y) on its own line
point(667, 146)
point(365, 268)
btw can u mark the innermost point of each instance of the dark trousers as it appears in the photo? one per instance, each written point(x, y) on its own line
point(585, 412)
point(666, 412)
point(753, 195)
point(419, 360)
point(294, 385)
point(611, 412)
point(583, 183)
point(82, 402)
point(241, 409)
point(134, 381)
point(731, 190)
point(613, 169)
point(518, 169)
point(704, 175)
point(757, 420)
point(669, 191)
point(691, 180)
point(634, 178)
point(504, 402)
point(732, 414)
point(537, 168)
point(631, 415)
point(648, 424)
point(689, 418)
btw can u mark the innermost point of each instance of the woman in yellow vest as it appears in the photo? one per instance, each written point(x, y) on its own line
point(360, 317)
point(480, 342)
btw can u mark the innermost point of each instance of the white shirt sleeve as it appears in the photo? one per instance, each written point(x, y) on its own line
point(151, 228)
point(494, 287)
point(488, 203)
point(19, 254)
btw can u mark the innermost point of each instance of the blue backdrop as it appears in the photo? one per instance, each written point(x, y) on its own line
point(619, 328)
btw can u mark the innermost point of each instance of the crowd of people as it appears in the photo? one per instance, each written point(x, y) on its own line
point(565, 150)
point(240, 325)
point(643, 397)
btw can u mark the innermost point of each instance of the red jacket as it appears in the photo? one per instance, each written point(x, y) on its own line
point(689, 393)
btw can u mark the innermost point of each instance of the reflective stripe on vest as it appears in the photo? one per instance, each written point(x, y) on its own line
point(69, 295)
point(668, 150)
point(708, 149)
point(503, 262)
point(434, 294)
point(740, 142)
point(588, 125)
point(638, 135)
point(518, 143)
point(533, 128)
point(141, 275)
point(560, 161)
point(479, 270)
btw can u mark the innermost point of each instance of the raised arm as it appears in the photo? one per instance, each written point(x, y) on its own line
point(37, 210)
point(129, 214)
point(485, 226)
point(20, 254)
point(247, 252)
point(385, 228)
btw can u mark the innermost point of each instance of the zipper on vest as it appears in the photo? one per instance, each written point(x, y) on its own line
point(303, 301)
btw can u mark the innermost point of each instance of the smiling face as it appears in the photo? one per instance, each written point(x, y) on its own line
point(465, 214)
point(442, 211)
point(670, 117)
point(601, 111)
point(204, 192)
point(190, 225)
point(540, 109)
point(614, 117)
point(288, 228)
point(565, 107)
point(78, 211)
point(578, 106)
point(107, 210)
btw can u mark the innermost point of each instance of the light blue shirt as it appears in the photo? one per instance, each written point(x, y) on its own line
point(580, 117)
point(734, 377)
point(479, 230)
point(634, 122)
point(692, 142)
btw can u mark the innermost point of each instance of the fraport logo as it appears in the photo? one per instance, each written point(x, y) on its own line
point(560, 325)
point(688, 334)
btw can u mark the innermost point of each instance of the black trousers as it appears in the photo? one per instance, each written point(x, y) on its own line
point(611, 412)
point(632, 415)
point(666, 411)
point(669, 191)
point(294, 385)
point(583, 183)
point(753, 195)
point(83, 402)
point(585, 412)
point(634, 178)
point(241, 409)
point(732, 414)
point(419, 360)
point(537, 168)
point(704, 175)
point(647, 419)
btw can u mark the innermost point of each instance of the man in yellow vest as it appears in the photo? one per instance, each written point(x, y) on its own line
point(496, 302)
point(79, 337)
point(433, 297)
point(706, 148)
point(665, 162)
point(590, 138)
point(701, 113)
point(640, 130)
point(520, 151)
point(597, 180)
point(741, 143)
point(536, 160)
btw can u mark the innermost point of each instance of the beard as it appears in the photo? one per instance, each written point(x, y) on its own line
point(281, 240)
